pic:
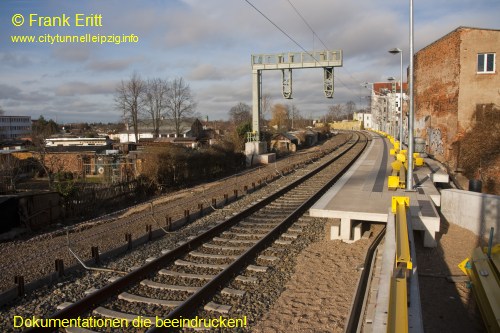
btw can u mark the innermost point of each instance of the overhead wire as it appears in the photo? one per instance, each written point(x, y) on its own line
point(280, 29)
point(297, 43)
point(317, 36)
point(307, 23)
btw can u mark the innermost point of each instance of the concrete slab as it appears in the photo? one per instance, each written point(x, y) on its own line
point(362, 195)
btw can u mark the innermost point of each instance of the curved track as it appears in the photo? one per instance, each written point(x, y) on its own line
point(202, 267)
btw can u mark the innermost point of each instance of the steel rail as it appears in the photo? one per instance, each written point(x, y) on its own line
point(101, 295)
point(208, 290)
point(353, 323)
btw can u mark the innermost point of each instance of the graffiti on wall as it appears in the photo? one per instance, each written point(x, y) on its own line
point(435, 141)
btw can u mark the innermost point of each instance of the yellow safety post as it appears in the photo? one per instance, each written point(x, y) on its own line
point(393, 183)
point(396, 166)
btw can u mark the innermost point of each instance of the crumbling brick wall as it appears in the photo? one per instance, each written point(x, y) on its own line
point(437, 70)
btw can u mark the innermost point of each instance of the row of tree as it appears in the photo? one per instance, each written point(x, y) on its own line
point(286, 117)
point(155, 99)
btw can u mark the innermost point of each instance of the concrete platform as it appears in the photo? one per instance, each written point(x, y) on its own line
point(362, 195)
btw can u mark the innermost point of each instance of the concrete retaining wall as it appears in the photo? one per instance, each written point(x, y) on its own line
point(476, 212)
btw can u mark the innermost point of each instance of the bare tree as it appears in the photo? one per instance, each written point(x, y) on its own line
point(240, 113)
point(294, 115)
point(336, 112)
point(179, 103)
point(266, 101)
point(129, 100)
point(155, 100)
point(350, 108)
point(281, 116)
point(42, 129)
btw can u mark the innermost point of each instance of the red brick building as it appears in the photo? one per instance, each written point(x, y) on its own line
point(457, 91)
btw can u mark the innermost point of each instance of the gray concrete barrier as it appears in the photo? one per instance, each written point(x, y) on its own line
point(476, 212)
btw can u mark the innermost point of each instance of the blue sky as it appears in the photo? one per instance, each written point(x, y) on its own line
point(209, 44)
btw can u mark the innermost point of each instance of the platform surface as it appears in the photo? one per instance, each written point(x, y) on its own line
point(362, 193)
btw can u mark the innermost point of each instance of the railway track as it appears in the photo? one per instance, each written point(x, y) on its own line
point(33, 258)
point(207, 274)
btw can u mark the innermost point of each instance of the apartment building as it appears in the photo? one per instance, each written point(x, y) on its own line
point(456, 86)
point(14, 127)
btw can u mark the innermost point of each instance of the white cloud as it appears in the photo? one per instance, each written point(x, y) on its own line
point(210, 42)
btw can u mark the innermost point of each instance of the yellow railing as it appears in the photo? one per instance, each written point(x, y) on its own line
point(483, 271)
point(397, 315)
point(400, 205)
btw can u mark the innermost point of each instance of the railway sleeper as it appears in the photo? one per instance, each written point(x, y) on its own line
point(147, 300)
point(256, 268)
point(212, 256)
point(243, 235)
point(224, 248)
point(259, 223)
point(233, 292)
point(235, 241)
point(104, 312)
point(180, 262)
point(253, 228)
point(163, 286)
point(186, 275)
point(215, 307)
point(246, 279)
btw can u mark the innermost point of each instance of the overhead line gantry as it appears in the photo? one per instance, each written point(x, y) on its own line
point(286, 62)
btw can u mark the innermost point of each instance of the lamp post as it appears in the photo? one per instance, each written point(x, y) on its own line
point(396, 51)
point(409, 174)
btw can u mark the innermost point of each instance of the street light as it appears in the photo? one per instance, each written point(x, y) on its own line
point(396, 51)
point(409, 174)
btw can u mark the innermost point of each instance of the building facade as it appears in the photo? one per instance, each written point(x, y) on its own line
point(14, 127)
point(385, 108)
point(457, 85)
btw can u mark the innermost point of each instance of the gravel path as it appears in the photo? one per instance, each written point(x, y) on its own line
point(319, 295)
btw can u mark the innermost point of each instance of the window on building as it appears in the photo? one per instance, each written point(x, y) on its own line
point(486, 63)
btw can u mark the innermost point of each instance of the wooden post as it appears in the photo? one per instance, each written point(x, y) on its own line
point(95, 254)
point(128, 239)
point(19, 280)
point(200, 207)
point(168, 222)
point(59, 265)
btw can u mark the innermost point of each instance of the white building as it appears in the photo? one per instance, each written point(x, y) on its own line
point(385, 107)
point(14, 127)
point(74, 141)
point(365, 118)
